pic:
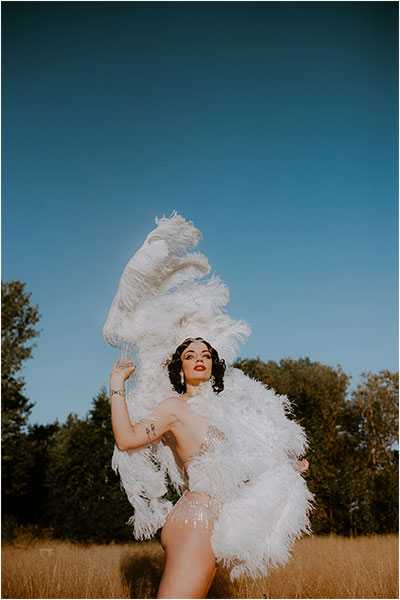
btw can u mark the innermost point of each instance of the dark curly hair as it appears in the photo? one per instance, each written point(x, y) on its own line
point(174, 366)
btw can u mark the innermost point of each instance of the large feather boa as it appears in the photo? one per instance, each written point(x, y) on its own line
point(265, 500)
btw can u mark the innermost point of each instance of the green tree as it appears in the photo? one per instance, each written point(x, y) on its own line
point(17, 329)
point(17, 463)
point(85, 500)
point(41, 439)
point(375, 403)
point(377, 398)
point(353, 441)
point(26, 498)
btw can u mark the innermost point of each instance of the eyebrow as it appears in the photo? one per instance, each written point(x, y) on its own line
point(189, 351)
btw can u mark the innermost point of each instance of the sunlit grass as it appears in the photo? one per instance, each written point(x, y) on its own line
point(321, 567)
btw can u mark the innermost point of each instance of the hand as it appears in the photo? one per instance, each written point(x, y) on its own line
point(301, 465)
point(121, 372)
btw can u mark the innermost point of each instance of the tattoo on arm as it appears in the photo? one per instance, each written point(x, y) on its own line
point(151, 432)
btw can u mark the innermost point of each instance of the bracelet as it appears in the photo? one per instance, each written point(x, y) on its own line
point(120, 392)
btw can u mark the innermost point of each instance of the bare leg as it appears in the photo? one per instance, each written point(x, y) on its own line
point(190, 564)
point(210, 582)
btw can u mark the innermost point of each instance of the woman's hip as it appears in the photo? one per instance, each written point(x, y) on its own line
point(194, 512)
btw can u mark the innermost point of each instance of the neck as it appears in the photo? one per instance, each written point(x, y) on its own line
point(193, 389)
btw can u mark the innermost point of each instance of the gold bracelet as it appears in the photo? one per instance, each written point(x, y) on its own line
point(120, 392)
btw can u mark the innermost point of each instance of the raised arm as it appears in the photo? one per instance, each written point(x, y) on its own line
point(127, 436)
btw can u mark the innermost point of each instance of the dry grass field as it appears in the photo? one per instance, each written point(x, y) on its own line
point(323, 567)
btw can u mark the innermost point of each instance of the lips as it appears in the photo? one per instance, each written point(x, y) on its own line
point(200, 368)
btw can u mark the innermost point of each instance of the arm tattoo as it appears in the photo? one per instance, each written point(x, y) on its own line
point(151, 431)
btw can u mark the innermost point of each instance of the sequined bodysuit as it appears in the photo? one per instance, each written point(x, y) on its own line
point(194, 509)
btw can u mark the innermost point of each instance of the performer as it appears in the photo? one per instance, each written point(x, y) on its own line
point(226, 442)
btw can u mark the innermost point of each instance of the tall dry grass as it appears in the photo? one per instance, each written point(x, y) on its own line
point(330, 567)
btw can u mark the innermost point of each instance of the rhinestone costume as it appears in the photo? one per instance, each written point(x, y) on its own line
point(213, 437)
point(197, 514)
point(202, 513)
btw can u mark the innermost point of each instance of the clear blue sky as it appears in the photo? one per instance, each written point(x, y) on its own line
point(272, 125)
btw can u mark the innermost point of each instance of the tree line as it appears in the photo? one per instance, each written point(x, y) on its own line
point(59, 476)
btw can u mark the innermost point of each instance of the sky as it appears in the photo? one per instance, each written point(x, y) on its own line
point(273, 126)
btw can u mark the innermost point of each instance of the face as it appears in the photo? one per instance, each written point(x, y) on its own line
point(196, 362)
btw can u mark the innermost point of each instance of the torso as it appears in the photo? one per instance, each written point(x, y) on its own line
point(190, 435)
point(189, 431)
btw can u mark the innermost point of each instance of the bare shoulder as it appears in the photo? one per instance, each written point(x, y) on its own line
point(172, 405)
point(172, 401)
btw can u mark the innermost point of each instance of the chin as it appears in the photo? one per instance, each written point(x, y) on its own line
point(200, 377)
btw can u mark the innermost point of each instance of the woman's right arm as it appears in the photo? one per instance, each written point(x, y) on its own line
point(128, 436)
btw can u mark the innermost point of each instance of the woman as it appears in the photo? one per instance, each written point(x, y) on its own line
point(225, 441)
point(190, 564)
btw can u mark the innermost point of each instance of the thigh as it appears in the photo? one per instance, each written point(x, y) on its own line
point(190, 564)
